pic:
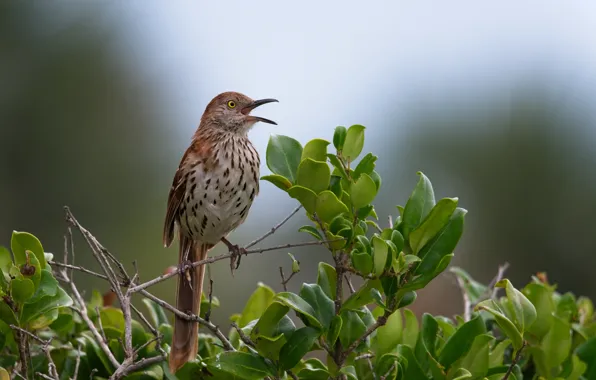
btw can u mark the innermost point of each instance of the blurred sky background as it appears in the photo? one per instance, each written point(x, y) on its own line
point(494, 102)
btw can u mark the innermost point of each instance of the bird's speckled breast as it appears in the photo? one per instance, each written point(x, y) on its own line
point(220, 190)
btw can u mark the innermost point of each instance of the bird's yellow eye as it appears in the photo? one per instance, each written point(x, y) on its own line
point(231, 104)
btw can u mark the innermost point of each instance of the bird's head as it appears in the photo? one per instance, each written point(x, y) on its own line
point(231, 111)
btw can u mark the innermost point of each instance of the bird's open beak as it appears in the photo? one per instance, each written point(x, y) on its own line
point(246, 110)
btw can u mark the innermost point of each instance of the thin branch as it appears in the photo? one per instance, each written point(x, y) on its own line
point(77, 362)
point(364, 356)
point(292, 375)
point(350, 286)
point(515, 361)
point(388, 372)
point(128, 366)
point(273, 229)
point(45, 348)
point(467, 303)
point(381, 321)
point(245, 338)
point(284, 280)
point(79, 268)
point(500, 273)
point(184, 268)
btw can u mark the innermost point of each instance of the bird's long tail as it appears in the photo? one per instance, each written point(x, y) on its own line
point(185, 342)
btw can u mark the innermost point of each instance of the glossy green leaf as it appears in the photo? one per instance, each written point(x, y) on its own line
point(477, 359)
point(313, 369)
point(556, 344)
point(302, 307)
point(270, 347)
point(366, 165)
point(278, 180)
point(339, 168)
point(64, 323)
point(421, 201)
point(353, 143)
point(460, 343)
point(361, 296)
point(315, 149)
point(153, 372)
point(339, 137)
point(297, 346)
point(376, 179)
point(577, 368)
point(5, 260)
point(313, 175)
point(413, 370)
point(523, 310)
point(47, 286)
point(156, 313)
point(7, 314)
point(407, 299)
point(390, 335)
point(363, 191)
point(506, 325)
point(306, 197)
point(43, 320)
point(362, 262)
point(328, 206)
point(283, 156)
point(443, 243)
point(24, 241)
point(541, 297)
point(312, 231)
point(323, 306)
point(586, 352)
point(267, 324)
point(256, 305)
point(242, 365)
point(462, 374)
point(497, 353)
point(21, 289)
point(327, 279)
point(352, 327)
point(334, 329)
point(380, 252)
point(411, 330)
point(434, 222)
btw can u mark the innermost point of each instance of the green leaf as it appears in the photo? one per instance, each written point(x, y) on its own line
point(459, 343)
point(352, 327)
point(523, 311)
point(413, 370)
point(22, 289)
point(267, 324)
point(283, 156)
point(477, 359)
point(306, 197)
point(7, 314)
point(44, 320)
point(410, 332)
point(242, 365)
point(270, 347)
point(44, 305)
point(153, 372)
point(313, 175)
point(278, 180)
point(328, 206)
point(156, 313)
point(323, 306)
point(366, 165)
point(557, 342)
point(315, 149)
point(361, 297)
point(339, 168)
point(376, 179)
point(390, 335)
point(418, 206)
point(407, 299)
point(586, 352)
point(334, 329)
point(302, 307)
point(497, 353)
point(327, 279)
point(339, 137)
point(540, 296)
point(474, 290)
point(312, 231)
point(507, 327)
point(5, 260)
point(380, 253)
point(436, 220)
point(363, 191)
point(353, 143)
point(362, 262)
point(47, 286)
point(297, 346)
point(64, 323)
point(442, 244)
point(577, 368)
point(256, 304)
point(24, 241)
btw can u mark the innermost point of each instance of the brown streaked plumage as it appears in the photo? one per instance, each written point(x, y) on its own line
point(212, 191)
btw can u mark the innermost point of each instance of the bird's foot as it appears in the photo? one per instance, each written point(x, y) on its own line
point(185, 267)
point(236, 254)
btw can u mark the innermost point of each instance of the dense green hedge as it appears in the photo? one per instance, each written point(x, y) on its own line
point(327, 330)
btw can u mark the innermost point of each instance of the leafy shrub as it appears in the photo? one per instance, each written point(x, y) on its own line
point(327, 330)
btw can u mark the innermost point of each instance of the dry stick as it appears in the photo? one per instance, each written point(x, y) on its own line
point(77, 362)
point(273, 229)
point(45, 344)
point(284, 280)
point(128, 366)
point(245, 338)
point(79, 268)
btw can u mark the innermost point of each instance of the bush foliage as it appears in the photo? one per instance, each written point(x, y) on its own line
point(327, 330)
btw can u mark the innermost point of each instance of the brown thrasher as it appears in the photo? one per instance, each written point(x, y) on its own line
point(213, 189)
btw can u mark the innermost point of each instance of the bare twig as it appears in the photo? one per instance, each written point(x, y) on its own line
point(350, 286)
point(79, 268)
point(500, 273)
point(390, 221)
point(292, 375)
point(284, 280)
point(77, 362)
point(243, 337)
point(128, 366)
point(45, 348)
point(273, 229)
point(100, 325)
point(364, 356)
point(381, 321)
point(467, 303)
point(388, 372)
point(514, 361)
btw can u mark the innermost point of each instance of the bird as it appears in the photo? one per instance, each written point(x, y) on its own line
point(211, 194)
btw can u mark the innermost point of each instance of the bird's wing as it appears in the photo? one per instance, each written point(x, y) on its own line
point(175, 200)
